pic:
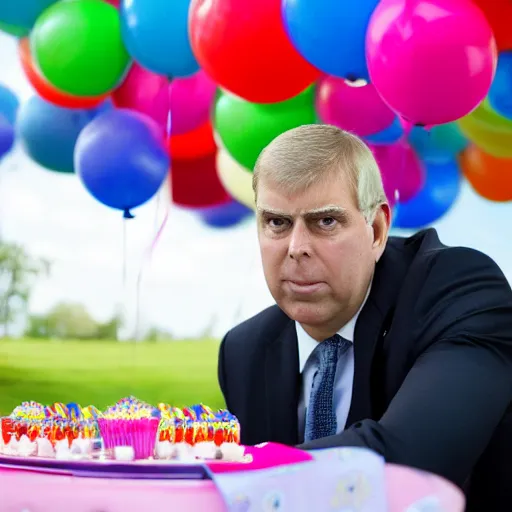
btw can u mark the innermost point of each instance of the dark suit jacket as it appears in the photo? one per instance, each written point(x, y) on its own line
point(433, 370)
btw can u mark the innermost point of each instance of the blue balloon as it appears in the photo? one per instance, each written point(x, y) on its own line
point(500, 93)
point(121, 159)
point(155, 33)
point(7, 136)
point(331, 34)
point(22, 13)
point(389, 135)
point(9, 104)
point(225, 215)
point(441, 189)
point(440, 143)
point(49, 133)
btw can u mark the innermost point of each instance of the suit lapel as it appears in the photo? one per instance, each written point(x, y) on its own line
point(371, 327)
point(282, 386)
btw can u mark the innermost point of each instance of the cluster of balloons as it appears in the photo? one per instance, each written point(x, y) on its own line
point(127, 89)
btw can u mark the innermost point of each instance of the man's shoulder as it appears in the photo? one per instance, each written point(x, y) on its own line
point(426, 248)
point(264, 326)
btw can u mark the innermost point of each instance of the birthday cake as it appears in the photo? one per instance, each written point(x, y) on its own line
point(131, 429)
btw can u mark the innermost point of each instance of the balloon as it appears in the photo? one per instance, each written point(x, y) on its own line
point(500, 97)
point(432, 61)
point(22, 14)
point(191, 101)
point(121, 159)
point(244, 47)
point(144, 92)
point(7, 136)
point(488, 130)
point(194, 144)
point(190, 98)
point(77, 47)
point(48, 91)
point(246, 128)
point(490, 177)
point(9, 104)
point(389, 135)
point(357, 109)
point(194, 183)
point(441, 190)
point(401, 169)
point(443, 142)
point(115, 3)
point(225, 215)
point(49, 133)
point(235, 179)
point(330, 34)
point(499, 15)
point(156, 35)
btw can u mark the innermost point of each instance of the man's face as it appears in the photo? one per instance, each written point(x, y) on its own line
point(318, 251)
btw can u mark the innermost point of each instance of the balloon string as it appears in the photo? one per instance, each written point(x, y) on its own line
point(149, 252)
point(407, 127)
point(124, 278)
point(145, 263)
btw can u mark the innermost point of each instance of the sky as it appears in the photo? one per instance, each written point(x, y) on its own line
point(197, 278)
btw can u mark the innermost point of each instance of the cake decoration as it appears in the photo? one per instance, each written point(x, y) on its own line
point(130, 429)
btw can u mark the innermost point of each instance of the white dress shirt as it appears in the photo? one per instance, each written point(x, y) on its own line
point(343, 381)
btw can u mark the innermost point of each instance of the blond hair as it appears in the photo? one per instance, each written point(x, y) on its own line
point(302, 156)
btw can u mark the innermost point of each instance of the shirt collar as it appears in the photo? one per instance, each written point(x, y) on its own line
point(307, 344)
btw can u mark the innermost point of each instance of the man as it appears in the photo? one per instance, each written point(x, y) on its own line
point(400, 345)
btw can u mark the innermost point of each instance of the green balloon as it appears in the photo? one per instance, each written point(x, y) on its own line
point(245, 128)
point(78, 48)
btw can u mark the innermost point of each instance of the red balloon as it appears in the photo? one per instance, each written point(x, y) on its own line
point(194, 144)
point(47, 91)
point(244, 47)
point(499, 16)
point(195, 183)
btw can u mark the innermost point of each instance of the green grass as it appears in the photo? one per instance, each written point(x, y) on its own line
point(100, 373)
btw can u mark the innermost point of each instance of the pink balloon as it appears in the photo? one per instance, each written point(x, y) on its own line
point(357, 109)
point(401, 170)
point(145, 92)
point(115, 3)
point(191, 101)
point(190, 98)
point(432, 61)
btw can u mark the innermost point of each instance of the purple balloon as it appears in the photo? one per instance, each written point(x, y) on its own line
point(6, 136)
point(121, 158)
point(225, 215)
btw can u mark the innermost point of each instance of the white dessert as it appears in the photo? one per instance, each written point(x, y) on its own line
point(165, 450)
point(232, 452)
point(124, 453)
point(206, 450)
point(44, 448)
point(62, 451)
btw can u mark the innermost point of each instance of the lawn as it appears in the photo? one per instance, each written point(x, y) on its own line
point(100, 373)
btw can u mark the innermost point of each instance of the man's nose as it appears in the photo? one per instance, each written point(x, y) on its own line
point(300, 242)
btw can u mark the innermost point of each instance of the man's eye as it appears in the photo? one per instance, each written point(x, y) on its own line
point(327, 222)
point(277, 223)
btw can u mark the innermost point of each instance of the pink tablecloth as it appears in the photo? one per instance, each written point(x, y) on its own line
point(36, 492)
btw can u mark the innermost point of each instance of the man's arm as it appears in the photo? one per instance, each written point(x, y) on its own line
point(458, 389)
point(221, 370)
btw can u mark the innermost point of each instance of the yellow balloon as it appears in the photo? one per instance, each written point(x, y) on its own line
point(488, 130)
point(237, 180)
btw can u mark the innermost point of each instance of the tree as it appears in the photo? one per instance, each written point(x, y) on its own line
point(73, 322)
point(18, 271)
